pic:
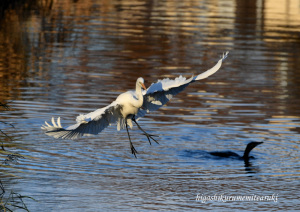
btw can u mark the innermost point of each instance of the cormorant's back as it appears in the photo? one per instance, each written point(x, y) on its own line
point(228, 154)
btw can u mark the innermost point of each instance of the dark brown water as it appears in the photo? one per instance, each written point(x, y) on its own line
point(62, 58)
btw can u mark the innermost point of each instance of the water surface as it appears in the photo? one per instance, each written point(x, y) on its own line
point(63, 58)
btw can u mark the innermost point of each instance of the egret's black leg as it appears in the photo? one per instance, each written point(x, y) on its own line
point(145, 133)
point(133, 150)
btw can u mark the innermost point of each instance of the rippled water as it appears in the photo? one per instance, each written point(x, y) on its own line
point(63, 58)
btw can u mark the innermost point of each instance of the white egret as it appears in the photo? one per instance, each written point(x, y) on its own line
point(128, 107)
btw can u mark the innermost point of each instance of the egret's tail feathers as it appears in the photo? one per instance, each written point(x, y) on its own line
point(212, 70)
point(55, 125)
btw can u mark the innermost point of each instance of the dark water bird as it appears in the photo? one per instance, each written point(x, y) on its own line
point(245, 157)
point(128, 107)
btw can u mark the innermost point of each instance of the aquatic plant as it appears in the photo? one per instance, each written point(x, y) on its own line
point(9, 201)
point(12, 201)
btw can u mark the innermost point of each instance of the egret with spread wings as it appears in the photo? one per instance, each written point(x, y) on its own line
point(128, 107)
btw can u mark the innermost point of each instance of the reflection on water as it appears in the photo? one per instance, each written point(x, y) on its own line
point(62, 58)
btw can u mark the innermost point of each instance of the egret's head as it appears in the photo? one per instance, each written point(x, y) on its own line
point(140, 82)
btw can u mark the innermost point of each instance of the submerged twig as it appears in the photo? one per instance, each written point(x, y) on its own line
point(13, 201)
point(12, 158)
point(2, 190)
point(8, 124)
point(4, 105)
point(7, 136)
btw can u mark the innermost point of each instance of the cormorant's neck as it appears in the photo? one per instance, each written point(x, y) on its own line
point(248, 149)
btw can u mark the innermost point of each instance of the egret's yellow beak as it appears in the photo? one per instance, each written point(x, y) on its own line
point(143, 86)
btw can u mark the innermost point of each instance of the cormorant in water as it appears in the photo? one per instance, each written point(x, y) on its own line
point(245, 157)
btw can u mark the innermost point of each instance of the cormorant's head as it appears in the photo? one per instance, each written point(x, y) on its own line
point(253, 144)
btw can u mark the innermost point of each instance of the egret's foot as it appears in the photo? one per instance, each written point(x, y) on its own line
point(149, 136)
point(133, 150)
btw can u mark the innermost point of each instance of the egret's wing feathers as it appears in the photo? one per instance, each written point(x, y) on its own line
point(154, 97)
point(158, 94)
point(89, 124)
point(161, 92)
point(212, 70)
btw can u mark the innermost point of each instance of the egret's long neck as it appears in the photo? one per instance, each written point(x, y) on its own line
point(138, 91)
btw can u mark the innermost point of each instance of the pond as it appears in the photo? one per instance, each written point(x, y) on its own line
point(64, 58)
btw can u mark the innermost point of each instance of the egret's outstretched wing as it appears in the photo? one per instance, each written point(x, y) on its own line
point(89, 124)
point(162, 91)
